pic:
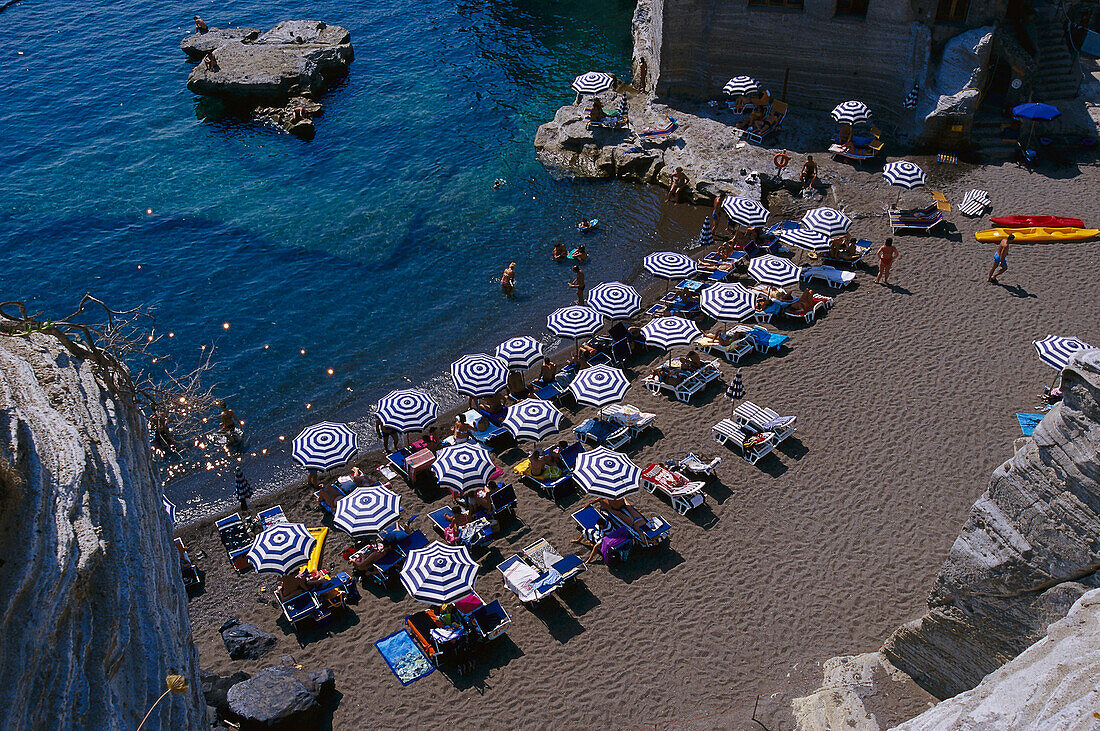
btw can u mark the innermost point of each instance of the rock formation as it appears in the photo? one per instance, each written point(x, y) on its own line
point(296, 58)
point(93, 613)
point(1053, 685)
point(282, 697)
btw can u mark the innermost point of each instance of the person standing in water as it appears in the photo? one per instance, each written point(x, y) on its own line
point(578, 283)
point(1000, 259)
point(508, 280)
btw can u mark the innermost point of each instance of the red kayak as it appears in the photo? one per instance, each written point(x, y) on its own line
point(1030, 221)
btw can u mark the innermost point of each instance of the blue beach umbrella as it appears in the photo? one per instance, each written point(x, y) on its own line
point(439, 573)
point(774, 270)
point(728, 302)
point(615, 300)
point(1036, 111)
point(367, 509)
point(479, 375)
point(463, 467)
point(668, 332)
point(805, 239)
point(828, 221)
point(1056, 350)
point(519, 352)
point(532, 418)
point(281, 548)
point(745, 211)
point(599, 385)
point(606, 473)
point(593, 82)
point(324, 446)
point(407, 410)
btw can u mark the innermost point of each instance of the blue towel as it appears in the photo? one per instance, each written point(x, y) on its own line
point(405, 659)
point(1028, 422)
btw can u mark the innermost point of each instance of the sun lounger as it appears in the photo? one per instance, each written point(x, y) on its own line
point(772, 122)
point(805, 312)
point(656, 532)
point(602, 432)
point(558, 488)
point(191, 577)
point(733, 352)
point(924, 219)
point(526, 582)
point(591, 522)
point(753, 446)
point(629, 416)
point(492, 435)
point(689, 385)
point(658, 135)
point(766, 341)
point(684, 494)
point(237, 539)
point(835, 278)
point(476, 533)
point(698, 466)
point(544, 557)
point(761, 419)
point(272, 516)
point(302, 608)
point(858, 154)
point(769, 312)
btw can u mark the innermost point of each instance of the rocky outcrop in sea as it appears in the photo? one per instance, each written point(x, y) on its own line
point(93, 614)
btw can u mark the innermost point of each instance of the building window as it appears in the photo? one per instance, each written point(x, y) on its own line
point(851, 7)
point(952, 11)
point(790, 4)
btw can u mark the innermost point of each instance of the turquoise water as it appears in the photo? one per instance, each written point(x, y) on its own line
point(374, 247)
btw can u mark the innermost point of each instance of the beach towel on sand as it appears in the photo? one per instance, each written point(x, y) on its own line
point(1028, 422)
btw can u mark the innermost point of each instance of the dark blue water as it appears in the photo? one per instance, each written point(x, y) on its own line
point(374, 247)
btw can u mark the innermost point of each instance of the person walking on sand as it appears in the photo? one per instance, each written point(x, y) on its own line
point(578, 283)
point(508, 280)
point(1000, 259)
point(887, 255)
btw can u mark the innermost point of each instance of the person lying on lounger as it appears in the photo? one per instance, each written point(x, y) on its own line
point(291, 585)
point(690, 362)
point(364, 564)
point(623, 509)
point(667, 374)
point(548, 371)
point(540, 468)
point(721, 337)
point(329, 495)
point(461, 430)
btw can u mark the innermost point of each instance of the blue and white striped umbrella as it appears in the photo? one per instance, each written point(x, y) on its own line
point(606, 473)
point(1056, 350)
point(774, 270)
point(805, 239)
point(367, 509)
point(479, 375)
point(745, 211)
point(439, 573)
point(910, 101)
point(281, 548)
point(463, 467)
point(851, 112)
point(904, 174)
point(600, 385)
point(706, 235)
point(739, 85)
point(615, 300)
point(325, 445)
point(407, 410)
point(593, 82)
point(669, 265)
point(241, 486)
point(574, 321)
point(828, 221)
point(728, 302)
point(668, 332)
point(170, 508)
point(532, 418)
point(520, 352)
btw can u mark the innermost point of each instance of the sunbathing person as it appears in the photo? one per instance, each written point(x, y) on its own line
point(540, 468)
point(622, 509)
point(719, 337)
point(364, 563)
point(596, 114)
point(431, 439)
point(691, 362)
point(667, 374)
point(329, 495)
point(461, 430)
point(725, 250)
point(291, 585)
point(844, 138)
point(677, 185)
point(547, 371)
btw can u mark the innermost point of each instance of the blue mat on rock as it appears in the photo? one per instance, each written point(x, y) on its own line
point(1028, 422)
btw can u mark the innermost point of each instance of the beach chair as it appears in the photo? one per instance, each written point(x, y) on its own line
point(805, 312)
point(696, 465)
point(684, 494)
point(602, 433)
point(767, 341)
point(769, 312)
point(191, 578)
point(272, 516)
point(545, 557)
point(656, 136)
point(656, 532)
point(485, 621)
point(503, 500)
point(629, 416)
point(557, 489)
point(773, 121)
point(236, 538)
point(491, 436)
point(919, 219)
point(833, 277)
point(760, 419)
point(733, 352)
point(753, 446)
point(528, 584)
point(591, 522)
point(302, 608)
point(941, 201)
point(476, 533)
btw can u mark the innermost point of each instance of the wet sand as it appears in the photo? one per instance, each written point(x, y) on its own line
point(905, 397)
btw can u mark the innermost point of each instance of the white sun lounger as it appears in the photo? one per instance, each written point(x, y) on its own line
point(690, 385)
point(835, 278)
point(695, 464)
point(631, 417)
point(729, 433)
point(733, 352)
point(684, 494)
point(762, 419)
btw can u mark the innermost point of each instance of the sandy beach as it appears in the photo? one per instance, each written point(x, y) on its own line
point(905, 397)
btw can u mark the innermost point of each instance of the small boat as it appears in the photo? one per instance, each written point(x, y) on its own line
point(1029, 221)
point(586, 226)
point(1038, 233)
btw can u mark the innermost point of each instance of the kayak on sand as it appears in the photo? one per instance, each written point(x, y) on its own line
point(1029, 221)
point(1038, 233)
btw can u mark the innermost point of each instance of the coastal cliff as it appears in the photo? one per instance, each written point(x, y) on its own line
point(93, 614)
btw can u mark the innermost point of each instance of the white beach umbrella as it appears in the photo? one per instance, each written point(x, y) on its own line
point(606, 473)
point(532, 418)
point(1056, 350)
point(593, 82)
point(479, 375)
point(615, 300)
point(325, 445)
point(774, 270)
point(745, 211)
point(668, 332)
point(904, 174)
point(828, 221)
point(728, 302)
point(463, 467)
point(519, 352)
point(367, 509)
point(706, 234)
point(574, 321)
point(805, 239)
point(739, 85)
point(407, 410)
point(439, 573)
point(669, 265)
point(599, 385)
point(281, 548)
point(851, 112)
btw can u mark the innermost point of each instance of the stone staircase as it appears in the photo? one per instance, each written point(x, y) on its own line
point(1057, 74)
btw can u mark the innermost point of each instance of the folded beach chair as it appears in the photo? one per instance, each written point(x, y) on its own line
point(835, 278)
point(629, 416)
point(975, 203)
point(603, 433)
point(699, 466)
point(753, 446)
point(237, 539)
point(761, 419)
point(941, 201)
point(684, 494)
point(591, 522)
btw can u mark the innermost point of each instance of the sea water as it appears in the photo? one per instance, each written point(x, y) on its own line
point(373, 250)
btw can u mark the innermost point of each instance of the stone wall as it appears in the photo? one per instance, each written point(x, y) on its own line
point(93, 614)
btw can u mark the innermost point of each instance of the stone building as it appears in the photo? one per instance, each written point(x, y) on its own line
point(962, 56)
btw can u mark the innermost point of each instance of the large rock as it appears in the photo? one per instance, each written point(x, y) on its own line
point(948, 108)
point(296, 57)
point(246, 641)
point(1054, 685)
point(215, 689)
point(281, 697)
point(1029, 549)
point(93, 613)
point(200, 44)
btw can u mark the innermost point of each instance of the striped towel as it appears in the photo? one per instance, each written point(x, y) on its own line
point(975, 202)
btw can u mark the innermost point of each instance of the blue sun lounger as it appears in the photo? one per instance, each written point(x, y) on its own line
point(765, 340)
point(603, 433)
point(591, 521)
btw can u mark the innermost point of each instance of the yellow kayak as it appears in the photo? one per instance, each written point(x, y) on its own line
point(315, 557)
point(1038, 233)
